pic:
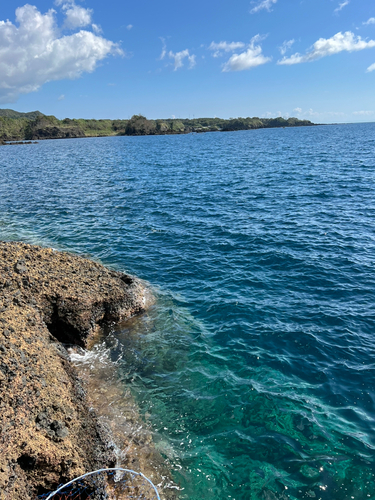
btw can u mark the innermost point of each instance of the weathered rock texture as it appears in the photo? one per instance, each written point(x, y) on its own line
point(48, 433)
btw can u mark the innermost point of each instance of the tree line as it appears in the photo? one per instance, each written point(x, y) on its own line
point(16, 126)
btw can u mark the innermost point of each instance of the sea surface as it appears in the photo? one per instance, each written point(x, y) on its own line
point(255, 366)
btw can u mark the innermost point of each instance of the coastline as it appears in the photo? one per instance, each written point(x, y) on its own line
point(17, 142)
point(33, 126)
point(50, 433)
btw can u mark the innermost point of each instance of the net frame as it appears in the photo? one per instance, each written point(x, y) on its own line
point(114, 469)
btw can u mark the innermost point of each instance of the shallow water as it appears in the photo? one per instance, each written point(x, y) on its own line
point(255, 366)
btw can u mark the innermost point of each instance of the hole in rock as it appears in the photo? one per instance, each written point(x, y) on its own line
point(26, 462)
point(127, 279)
point(64, 332)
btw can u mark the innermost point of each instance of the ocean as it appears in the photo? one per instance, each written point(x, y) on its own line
point(254, 367)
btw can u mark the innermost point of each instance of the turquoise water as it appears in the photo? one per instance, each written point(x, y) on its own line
point(255, 366)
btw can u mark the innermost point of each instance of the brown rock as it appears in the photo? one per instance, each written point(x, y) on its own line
point(48, 433)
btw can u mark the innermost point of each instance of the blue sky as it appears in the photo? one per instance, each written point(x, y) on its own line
point(312, 59)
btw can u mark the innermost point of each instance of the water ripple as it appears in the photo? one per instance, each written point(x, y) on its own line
point(255, 368)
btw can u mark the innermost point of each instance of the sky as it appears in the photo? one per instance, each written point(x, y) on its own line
point(313, 59)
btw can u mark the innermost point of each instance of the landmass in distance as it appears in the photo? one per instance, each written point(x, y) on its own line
point(16, 126)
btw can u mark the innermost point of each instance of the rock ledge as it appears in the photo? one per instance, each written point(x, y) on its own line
point(48, 433)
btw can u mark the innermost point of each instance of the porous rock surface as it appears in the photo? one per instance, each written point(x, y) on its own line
point(48, 433)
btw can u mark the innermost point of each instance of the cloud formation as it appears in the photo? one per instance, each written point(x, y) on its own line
point(341, 6)
point(251, 58)
point(371, 68)
point(263, 4)
point(370, 21)
point(96, 28)
point(35, 52)
point(163, 50)
point(76, 16)
point(221, 47)
point(286, 46)
point(311, 113)
point(179, 59)
point(328, 46)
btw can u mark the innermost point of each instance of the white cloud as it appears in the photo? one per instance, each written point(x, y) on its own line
point(192, 61)
point(76, 16)
point(370, 21)
point(96, 28)
point(277, 114)
point(163, 50)
point(61, 98)
point(371, 68)
point(179, 58)
point(34, 52)
point(310, 113)
point(328, 46)
point(263, 4)
point(129, 27)
point(251, 58)
point(363, 113)
point(221, 47)
point(286, 46)
point(342, 5)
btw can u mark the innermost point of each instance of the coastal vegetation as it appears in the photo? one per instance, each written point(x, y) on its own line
point(15, 126)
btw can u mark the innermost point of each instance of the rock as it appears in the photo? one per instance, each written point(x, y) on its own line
point(48, 433)
point(54, 132)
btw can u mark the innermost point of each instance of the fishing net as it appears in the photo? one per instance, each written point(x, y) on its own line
point(106, 484)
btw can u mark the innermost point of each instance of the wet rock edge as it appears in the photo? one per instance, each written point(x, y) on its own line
point(48, 432)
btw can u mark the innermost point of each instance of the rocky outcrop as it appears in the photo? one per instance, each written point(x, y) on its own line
point(48, 433)
point(55, 132)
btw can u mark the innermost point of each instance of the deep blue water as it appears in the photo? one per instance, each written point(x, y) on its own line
point(255, 367)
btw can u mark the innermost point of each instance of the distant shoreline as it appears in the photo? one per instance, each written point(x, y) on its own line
point(15, 126)
point(21, 143)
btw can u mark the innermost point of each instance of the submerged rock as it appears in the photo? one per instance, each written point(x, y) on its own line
point(48, 432)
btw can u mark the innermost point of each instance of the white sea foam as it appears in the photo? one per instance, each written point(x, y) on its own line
point(98, 356)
